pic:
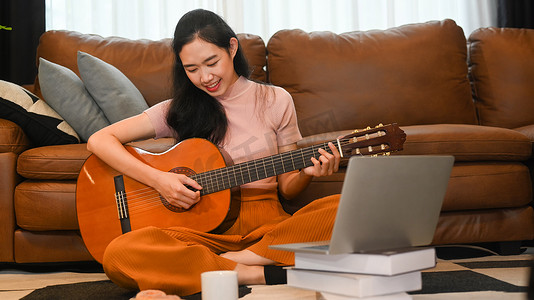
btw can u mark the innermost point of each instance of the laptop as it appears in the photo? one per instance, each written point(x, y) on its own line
point(386, 203)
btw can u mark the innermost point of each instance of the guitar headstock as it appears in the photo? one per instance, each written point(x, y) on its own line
point(382, 139)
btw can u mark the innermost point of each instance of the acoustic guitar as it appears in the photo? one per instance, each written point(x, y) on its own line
point(110, 204)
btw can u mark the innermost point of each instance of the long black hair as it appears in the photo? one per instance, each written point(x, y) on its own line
point(193, 112)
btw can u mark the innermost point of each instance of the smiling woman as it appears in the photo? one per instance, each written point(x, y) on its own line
point(156, 19)
point(215, 101)
point(210, 71)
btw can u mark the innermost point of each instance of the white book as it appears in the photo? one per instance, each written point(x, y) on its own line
point(354, 285)
point(378, 263)
point(396, 296)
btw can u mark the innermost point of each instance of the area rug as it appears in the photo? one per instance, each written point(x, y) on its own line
point(98, 290)
point(466, 281)
point(479, 273)
point(450, 277)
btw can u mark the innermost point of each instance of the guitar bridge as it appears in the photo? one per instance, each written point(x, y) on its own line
point(122, 204)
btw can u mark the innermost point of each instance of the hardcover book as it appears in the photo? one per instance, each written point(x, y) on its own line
point(354, 285)
point(377, 263)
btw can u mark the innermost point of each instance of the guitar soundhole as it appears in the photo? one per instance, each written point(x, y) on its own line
point(177, 170)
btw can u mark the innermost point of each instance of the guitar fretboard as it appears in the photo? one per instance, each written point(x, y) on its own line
point(254, 170)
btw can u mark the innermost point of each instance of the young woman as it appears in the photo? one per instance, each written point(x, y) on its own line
point(213, 99)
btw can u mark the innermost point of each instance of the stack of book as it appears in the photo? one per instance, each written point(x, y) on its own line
point(376, 276)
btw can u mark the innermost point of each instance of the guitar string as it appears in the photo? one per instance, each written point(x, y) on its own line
point(142, 203)
point(138, 202)
point(154, 200)
point(237, 169)
point(147, 198)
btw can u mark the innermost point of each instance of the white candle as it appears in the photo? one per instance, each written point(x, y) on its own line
point(219, 285)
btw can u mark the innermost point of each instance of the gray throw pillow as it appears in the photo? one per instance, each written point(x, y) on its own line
point(66, 94)
point(114, 93)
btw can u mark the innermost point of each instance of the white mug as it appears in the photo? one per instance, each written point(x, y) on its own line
point(219, 285)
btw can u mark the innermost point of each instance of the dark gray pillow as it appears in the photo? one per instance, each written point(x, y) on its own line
point(66, 93)
point(116, 95)
point(40, 122)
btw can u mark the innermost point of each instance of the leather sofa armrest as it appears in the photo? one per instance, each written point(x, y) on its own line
point(13, 141)
point(8, 181)
point(12, 138)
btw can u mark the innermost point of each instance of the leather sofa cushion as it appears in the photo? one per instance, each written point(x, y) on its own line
point(465, 142)
point(256, 54)
point(53, 162)
point(412, 75)
point(514, 224)
point(12, 138)
point(64, 162)
point(49, 246)
point(148, 64)
point(487, 185)
point(501, 61)
point(46, 205)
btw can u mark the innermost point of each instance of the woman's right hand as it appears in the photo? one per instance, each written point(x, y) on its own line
point(175, 189)
point(107, 144)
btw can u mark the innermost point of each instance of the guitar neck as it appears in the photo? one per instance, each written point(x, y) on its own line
point(254, 170)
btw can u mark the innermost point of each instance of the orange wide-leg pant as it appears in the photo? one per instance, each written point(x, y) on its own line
point(172, 259)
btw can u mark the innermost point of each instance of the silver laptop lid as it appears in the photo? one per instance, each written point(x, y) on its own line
point(390, 202)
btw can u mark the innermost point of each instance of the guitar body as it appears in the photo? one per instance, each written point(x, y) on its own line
point(97, 208)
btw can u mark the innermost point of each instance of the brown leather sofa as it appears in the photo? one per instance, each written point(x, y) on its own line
point(449, 95)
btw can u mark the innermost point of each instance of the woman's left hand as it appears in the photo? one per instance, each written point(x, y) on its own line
point(327, 163)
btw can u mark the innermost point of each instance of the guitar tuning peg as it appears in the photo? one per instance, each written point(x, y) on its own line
point(368, 127)
point(379, 125)
point(355, 131)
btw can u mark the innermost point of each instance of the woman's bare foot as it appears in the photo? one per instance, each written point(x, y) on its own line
point(249, 274)
point(247, 257)
point(249, 266)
